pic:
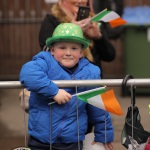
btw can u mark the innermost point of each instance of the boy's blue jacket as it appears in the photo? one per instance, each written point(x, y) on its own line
point(37, 76)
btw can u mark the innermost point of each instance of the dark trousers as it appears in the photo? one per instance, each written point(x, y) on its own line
point(34, 144)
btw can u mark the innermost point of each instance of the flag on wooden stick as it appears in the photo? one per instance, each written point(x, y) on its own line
point(105, 100)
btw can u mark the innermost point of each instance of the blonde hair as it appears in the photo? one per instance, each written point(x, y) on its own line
point(63, 15)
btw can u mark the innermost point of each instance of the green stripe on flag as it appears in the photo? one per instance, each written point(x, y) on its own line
point(86, 96)
point(100, 15)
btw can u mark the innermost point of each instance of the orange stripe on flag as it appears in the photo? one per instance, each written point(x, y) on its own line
point(110, 102)
point(117, 22)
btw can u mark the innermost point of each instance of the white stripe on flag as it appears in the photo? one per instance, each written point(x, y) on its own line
point(110, 16)
point(97, 102)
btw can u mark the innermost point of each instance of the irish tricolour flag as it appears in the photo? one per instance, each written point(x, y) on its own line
point(109, 16)
point(101, 98)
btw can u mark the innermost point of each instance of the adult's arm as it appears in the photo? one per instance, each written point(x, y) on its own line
point(47, 27)
point(103, 48)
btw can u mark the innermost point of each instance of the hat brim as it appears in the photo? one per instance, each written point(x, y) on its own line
point(73, 39)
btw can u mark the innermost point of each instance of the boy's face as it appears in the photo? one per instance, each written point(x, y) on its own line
point(67, 53)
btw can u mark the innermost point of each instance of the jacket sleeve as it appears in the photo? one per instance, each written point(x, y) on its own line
point(47, 27)
point(101, 120)
point(34, 77)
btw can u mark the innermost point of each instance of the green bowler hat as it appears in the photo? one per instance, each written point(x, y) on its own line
point(68, 32)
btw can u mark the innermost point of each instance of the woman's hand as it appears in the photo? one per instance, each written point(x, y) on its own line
point(90, 29)
point(93, 31)
point(62, 97)
point(108, 146)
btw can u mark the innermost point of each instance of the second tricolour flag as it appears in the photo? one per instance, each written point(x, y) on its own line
point(109, 16)
point(103, 99)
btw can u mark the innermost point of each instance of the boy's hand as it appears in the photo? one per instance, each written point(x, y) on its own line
point(62, 97)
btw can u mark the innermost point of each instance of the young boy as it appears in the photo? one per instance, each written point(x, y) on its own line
point(63, 124)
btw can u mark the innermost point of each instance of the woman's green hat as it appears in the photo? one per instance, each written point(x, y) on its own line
point(68, 32)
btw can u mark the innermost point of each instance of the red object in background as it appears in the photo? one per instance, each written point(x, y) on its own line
point(147, 147)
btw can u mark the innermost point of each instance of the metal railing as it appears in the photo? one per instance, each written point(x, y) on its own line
point(79, 83)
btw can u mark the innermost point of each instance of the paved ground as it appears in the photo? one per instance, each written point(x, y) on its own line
point(12, 128)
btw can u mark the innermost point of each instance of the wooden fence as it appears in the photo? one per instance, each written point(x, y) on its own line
point(20, 21)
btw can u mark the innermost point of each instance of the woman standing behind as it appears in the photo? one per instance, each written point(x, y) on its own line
point(100, 48)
